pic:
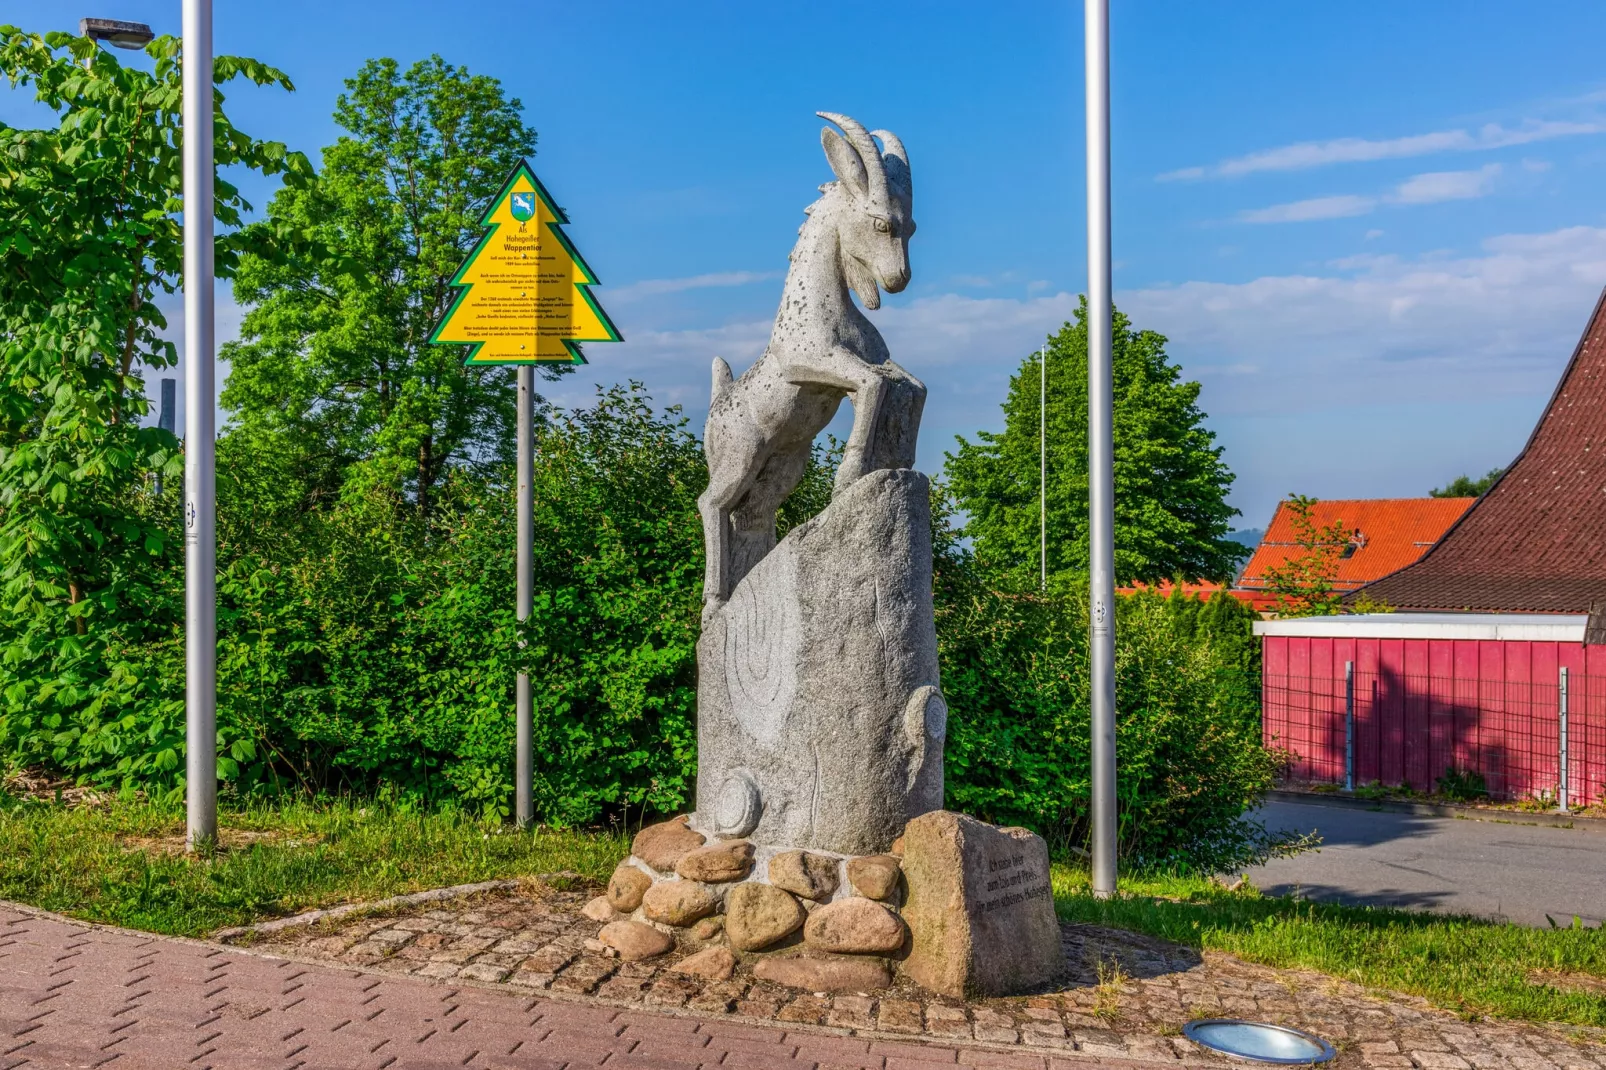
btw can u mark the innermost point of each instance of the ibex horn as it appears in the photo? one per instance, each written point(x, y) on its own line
point(896, 151)
point(864, 144)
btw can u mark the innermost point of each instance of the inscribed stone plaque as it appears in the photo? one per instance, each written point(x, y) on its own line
point(980, 909)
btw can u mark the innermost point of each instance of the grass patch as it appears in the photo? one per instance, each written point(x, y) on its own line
point(1467, 965)
point(124, 863)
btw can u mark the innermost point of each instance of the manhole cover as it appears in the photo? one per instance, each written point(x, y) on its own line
point(1258, 1041)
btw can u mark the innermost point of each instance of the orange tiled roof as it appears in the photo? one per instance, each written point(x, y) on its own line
point(1387, 533)
point(1202, 589)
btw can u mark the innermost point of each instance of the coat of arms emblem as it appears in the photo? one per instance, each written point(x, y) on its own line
point(523, 208)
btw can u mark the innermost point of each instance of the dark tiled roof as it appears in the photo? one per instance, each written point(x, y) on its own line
point(1536, 542)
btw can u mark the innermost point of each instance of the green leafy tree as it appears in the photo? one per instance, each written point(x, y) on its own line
point(1015, 670)
point(334, 362)
point(1464, 486)
point(1171, 511)
point(89, 241)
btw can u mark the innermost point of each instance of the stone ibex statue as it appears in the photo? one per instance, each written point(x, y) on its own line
point(762, 426)
point(820, 715)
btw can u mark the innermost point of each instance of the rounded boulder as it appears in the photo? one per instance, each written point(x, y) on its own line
point(678, 902)
point(821, 973)
point(874, 876)
point(626, 887)
point(803, 873)
point(854, 926)
point(635, 941)
point(718, 863)
point(663, 845)
point(714, 964)
point(760, 915)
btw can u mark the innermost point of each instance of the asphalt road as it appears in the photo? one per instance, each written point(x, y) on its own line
point(1514, 872)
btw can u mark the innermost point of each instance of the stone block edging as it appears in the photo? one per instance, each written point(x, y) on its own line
point(312, 917)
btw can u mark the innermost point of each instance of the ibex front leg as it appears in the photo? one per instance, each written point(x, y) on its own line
point(872, 388)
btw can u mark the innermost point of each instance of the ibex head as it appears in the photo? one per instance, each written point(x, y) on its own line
point(875, 229)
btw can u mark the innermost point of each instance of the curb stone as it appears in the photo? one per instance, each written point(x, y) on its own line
point(1341, 801)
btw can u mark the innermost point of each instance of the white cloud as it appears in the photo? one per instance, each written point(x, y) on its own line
point(1376, 375)
point(1314, 208)
point(1429, 188)
point(1308, 154)
point(1381, 328)
point(1436, 186)
point(656, 287)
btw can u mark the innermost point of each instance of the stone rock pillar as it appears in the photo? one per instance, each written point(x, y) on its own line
point(820, 715)
point(981, 908)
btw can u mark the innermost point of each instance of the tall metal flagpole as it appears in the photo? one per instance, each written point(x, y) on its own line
point(1101, 444)
point(200, 475)
point(524, 724)
point(1042, 467)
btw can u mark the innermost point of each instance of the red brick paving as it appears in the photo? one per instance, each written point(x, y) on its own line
point(75, 995)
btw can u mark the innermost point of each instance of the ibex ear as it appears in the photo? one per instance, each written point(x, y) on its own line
point(845, 162)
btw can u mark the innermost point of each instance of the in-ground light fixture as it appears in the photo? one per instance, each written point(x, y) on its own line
point(130, 35)
point(1259, 1042)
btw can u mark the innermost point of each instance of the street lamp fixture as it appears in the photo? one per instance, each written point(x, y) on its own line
point(130, 35)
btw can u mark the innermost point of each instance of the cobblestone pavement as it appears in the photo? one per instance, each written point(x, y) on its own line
point(1126, 996)
point(73, 995)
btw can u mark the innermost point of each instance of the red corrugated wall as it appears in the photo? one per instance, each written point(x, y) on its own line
point(1426, 706)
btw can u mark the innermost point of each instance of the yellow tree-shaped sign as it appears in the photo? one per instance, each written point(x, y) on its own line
point(524, 294)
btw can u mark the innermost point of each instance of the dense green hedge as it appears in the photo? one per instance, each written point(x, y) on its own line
point(360, 651)
point(1188, 744)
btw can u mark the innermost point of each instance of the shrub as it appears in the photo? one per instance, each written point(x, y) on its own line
point(359, 650)
point(1463, 785)
point(1189, 755)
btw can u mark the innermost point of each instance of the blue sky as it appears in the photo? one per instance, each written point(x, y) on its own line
point(1373, 232)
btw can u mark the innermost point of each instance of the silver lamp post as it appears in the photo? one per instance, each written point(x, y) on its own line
point(200, 469)
point(1042, 467)
point(1101, 444)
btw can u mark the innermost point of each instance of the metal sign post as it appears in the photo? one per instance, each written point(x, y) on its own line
point(200, 474)
point(1561, 758)
point(1101, 444)
point(524, 298)
point(523, 714)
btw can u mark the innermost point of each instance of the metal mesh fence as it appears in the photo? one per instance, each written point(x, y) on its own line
point(1541, 739)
